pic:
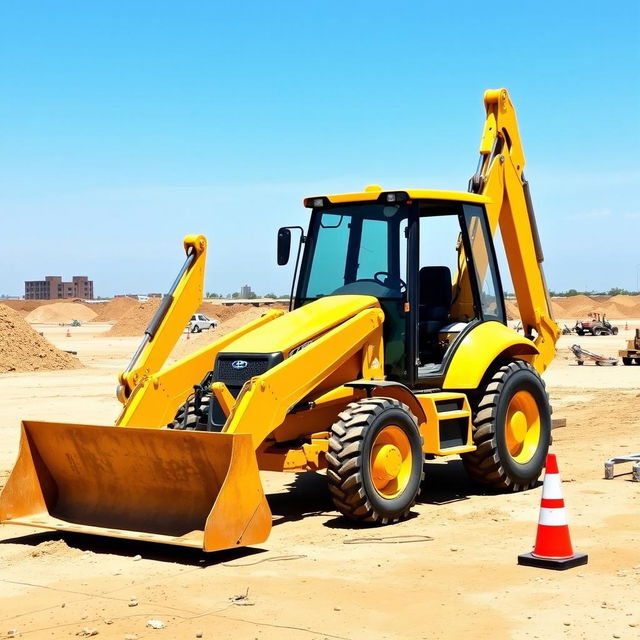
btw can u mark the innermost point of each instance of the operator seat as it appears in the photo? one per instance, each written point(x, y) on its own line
point(435, 299)
point(433, 314)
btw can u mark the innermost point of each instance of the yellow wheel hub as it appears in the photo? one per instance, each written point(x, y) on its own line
point(522, 427)
point(391, 462)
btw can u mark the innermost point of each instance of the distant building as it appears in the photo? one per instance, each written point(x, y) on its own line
point(52, 288)
point(245, 291)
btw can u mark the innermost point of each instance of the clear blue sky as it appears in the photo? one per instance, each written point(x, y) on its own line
point(127, 125)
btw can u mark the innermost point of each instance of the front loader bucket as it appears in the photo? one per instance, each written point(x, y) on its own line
point(188, 488)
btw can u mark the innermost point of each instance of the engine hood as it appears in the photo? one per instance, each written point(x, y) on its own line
point(293, 330)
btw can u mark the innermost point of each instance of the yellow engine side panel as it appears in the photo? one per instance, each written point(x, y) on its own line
point(479, 348)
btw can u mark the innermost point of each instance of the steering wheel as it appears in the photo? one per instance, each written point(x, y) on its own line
point(394, 279)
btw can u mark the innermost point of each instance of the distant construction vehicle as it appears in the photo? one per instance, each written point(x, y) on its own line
point(631, 355)
point(396, 348)
point(582, 356)
point(596, 325)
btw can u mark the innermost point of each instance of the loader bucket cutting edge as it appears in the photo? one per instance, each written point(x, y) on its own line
point(186, 488)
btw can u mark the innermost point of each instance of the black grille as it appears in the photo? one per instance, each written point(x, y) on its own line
point(227, 373)
point(236, 376)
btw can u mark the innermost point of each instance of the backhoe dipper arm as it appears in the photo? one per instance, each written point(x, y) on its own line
point(169, 322)
point(500, 176)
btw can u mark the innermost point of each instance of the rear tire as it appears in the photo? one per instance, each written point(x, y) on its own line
point(614, 331)
point(512, 429)
point(627, 361)
point(375, 461)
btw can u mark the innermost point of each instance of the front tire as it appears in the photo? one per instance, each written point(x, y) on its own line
point(190, 418)
point(375, 461)
point(512, 429)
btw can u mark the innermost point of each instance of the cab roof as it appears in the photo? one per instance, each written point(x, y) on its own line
point(375, 192)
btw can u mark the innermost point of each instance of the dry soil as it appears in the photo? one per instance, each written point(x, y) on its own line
point(24, 349)
point(448, 572)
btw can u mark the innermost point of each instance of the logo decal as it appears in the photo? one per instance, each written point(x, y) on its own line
point(239, 364)
point(300, 347)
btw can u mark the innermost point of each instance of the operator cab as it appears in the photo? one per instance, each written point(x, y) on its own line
point(427, 257)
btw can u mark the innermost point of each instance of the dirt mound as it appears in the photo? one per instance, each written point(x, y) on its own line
point(575, 306)
point(61, 312)
point(136, 319)
point(115, 309)
point(222, 312)
point(51, 548)
point(511, 307)
point(619, 311)
point(23, 349)
point(615, 307)
point(625, 301)
point(557, 310)
point(199, 340)
point(25, 307)
point(513, 311)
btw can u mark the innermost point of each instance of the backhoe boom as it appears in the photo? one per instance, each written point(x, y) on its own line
point(500, 176)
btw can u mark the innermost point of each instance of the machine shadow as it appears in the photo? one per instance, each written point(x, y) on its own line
point(306, 496)
point(131, 548)
point(447, 482)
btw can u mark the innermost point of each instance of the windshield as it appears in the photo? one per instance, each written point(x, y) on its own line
point(356, 249)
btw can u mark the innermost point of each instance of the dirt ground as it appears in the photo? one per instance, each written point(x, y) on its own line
point(448, 572)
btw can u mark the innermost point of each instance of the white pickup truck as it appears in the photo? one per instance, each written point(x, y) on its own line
point(199, 322)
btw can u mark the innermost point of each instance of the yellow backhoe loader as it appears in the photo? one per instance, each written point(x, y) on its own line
point(396, 350)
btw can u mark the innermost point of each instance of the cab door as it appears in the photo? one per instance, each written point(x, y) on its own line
point(457, 284)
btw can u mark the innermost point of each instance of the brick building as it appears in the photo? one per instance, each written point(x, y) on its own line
point(52, 288)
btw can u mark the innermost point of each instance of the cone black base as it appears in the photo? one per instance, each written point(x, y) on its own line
point(559, 564)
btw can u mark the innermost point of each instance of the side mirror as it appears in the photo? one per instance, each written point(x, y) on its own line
point(284, 245)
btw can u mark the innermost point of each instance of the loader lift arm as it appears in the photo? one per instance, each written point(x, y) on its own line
point(500, 176)
point(162, 334)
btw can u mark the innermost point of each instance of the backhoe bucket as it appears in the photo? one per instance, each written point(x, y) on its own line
point(188, 488)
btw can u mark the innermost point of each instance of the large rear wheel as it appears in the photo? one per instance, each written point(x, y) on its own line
point(512, 429)
point(375, 461)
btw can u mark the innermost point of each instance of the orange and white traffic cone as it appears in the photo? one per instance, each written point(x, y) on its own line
point(68, 333)
point(553, 548)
